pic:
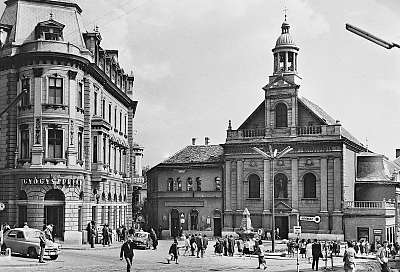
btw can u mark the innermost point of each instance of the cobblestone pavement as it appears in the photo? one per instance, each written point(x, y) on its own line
point(155, 260)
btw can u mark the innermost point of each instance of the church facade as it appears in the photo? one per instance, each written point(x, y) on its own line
point(312, 181)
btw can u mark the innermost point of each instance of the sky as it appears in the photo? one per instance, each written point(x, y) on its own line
point(200, 63)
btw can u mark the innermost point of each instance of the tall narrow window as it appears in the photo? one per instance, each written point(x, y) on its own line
point(198, 184)
point(24, 143)
point(55, 143)
point(217, 184)
point(179, 184)
point(109, 113)
point(55, 90)
point(254, 186)
point(120, 160)
point(103, 109)
point(95, 149)
point(120, 121)
point(25, 100)
point(95, 102)
point(281, 119)
point(310, 190)
point(189, 186)
point(104, 149)
point(79, 102)
point(125, 125)
point(280, 186)
point(170, 184)
point(80, 145)
point(109, 154)
point(115, 158)
point(115, 117)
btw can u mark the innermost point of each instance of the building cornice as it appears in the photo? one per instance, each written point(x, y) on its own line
point(51, 2)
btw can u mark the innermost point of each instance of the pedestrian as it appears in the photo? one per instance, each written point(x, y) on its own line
point(110, 235)
point(105, 235)
point(91, 230)
point(173, 251)
point(48, 232)
point(193, 244)
point(259, 251)
point(124, 233)
point(42, 244)
point(383, 256)
point(246, 247)
point(127, 253)
point(239, 245)
point(309, 251)
point(303, 248)
point(231, 245)
point(153, 237)
point(218, 247)
point(225, 243)
point(349, 257)
point(199, 244)
point(205, 244)
point(187, 245)
point(119, 233)
point(316, 254)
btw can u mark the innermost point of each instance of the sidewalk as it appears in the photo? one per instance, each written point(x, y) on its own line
point(87, 246)
point(18, 261)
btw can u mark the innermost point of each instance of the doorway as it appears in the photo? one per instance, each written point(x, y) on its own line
point(282, 227)
point(217, 226)
point(175, 225)
point(54, 205)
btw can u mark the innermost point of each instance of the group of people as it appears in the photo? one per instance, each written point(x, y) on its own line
point(122, 234)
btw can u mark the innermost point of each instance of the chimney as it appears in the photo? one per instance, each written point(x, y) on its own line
point(193, 141)
point(397, 153)
point(206, 140)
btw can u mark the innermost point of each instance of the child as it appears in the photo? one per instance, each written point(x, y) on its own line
point(260, 252)
point(173, 251)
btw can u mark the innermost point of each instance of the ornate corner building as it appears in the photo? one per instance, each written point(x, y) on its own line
point(68, 153)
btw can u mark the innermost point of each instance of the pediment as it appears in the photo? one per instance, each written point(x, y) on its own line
point(280, 82)
point(51, 23)
point(282, 206)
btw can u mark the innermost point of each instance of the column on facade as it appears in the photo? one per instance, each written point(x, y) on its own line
point(324, 185)
point(295, 184)
point(87, 138)
point(72, 148)
point(239, 185)
point(267, 186)
point(228, 204)
point(337, 200)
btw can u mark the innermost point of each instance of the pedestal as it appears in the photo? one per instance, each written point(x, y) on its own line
point(37, 155)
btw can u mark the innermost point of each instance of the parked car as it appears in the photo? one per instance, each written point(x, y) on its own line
point(26, 241)
point(142, 239)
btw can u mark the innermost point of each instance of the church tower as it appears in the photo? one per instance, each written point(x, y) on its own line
point(281, 91)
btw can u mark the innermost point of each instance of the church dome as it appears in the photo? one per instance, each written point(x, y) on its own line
point(285, 39)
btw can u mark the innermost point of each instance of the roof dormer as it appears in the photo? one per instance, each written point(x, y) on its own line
point(49, 30)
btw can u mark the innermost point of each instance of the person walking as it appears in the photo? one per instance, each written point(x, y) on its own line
point(91, 229)
point(199, 244)
point(349, 257)
point(383, 256)
point(42, 244)
point(204, 246)
point(231, 246)
point(309, 251)
point(104, 232)
point(225, 244)
point(316, 254)
point(192, 244)
point(173, 251)
point(259, 251)
point(127, 253)
point(187, 245)
point(153, 237)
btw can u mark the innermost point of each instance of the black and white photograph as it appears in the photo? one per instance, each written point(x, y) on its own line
point(199, 135)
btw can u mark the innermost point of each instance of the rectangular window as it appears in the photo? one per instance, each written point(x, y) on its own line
point(25, 143)
point(80, 218)
point(25, 99)
point(115, 117)
point(125, 125)
point(109, 113)
point(55, 143)
point(95, 149)
point(104, 149)
point(80, 142)
point(94, 213)
point(55, 90)
point(109, 154)
point(95, 102)
point(115, 158)
point(120, 121)
point(79, 102)
point(103, 109)
point(120, 160)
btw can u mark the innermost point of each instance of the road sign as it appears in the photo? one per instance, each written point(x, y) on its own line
point(260, 231)
point(2, 206)
point(315, 219)
point(297, 230)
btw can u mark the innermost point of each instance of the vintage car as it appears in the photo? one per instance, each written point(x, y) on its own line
point(141, 239)
point(26, 241)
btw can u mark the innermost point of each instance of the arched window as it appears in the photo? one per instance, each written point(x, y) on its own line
point(179, 184)
point(54, 194)
point(170, 184)
point(310, 186)
point(280, 186)
point(198, 184)
point(189, 186)
point(281, 116)
point(254, 186)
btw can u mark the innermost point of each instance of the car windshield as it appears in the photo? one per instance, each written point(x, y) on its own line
point(140, 235)
point(32, 234)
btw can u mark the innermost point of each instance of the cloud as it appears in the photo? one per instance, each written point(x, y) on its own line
point(153, 72)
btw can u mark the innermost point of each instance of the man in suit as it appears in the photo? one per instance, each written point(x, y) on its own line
point(127, 252)
point(316, 254)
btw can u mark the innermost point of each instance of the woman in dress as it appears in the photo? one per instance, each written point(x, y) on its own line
point(309, 250)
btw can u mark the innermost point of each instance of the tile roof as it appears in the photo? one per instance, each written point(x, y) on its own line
point(197, 154)
point(375, 167)
point(326, 118)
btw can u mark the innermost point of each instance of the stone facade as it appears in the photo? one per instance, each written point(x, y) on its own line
point(68, 153)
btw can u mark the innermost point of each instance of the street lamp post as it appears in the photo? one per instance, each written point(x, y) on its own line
point(272, 156)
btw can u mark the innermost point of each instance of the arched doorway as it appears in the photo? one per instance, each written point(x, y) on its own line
point(194, 219)
point(217, 223)
point(54, 205)
point(175, 225)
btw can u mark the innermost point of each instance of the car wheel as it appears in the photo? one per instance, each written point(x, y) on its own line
point(32, 253)
point(54, 257)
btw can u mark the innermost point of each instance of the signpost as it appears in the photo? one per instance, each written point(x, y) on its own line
point(315, 219)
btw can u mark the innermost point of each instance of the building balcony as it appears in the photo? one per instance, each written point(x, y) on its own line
point(307, 131)
point(362, 208)
point(99, 122)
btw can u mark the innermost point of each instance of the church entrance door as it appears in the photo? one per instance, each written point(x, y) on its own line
point(282, 227)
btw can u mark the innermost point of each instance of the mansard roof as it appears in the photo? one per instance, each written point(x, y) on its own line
point(196, 154)
point(51, 22)
point(372, 167)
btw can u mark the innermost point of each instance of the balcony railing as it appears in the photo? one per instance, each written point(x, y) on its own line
point(369, 205)
point(311, 130)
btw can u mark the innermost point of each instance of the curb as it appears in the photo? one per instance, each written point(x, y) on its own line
point(89, 248)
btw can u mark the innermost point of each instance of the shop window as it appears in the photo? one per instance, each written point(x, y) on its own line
point(217, 184)
point(254, 186)
point(55, 90)
point(25, 85)
point(309, 183)
point(179, 184)
point(170, 184)
point(280, 186)
point(281, 116)
point(24, 142)
point(189, 185)
point(79, 102)
point(55, 143)
point(198, 184)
